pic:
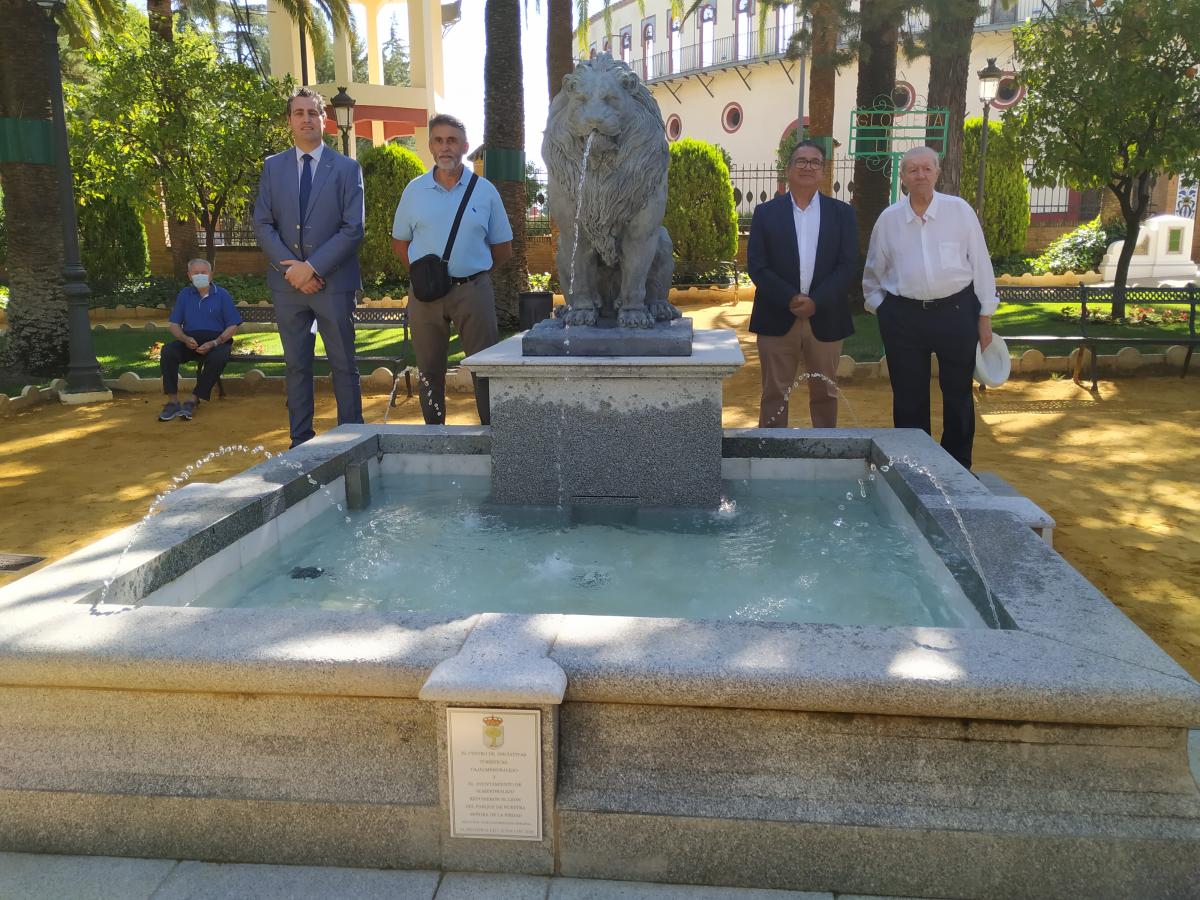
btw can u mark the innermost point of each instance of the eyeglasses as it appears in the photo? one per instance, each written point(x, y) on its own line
point(802, 163)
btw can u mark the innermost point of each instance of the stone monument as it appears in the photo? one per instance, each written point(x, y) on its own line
point(606, 157)
point(614, 401)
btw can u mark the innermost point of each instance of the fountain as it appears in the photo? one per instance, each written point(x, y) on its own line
point(1034, 748)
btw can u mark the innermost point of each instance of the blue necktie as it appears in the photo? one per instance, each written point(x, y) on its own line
point(305, 184)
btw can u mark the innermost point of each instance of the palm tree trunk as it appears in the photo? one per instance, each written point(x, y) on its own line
point(876, 81)
point(504, 142)
point(37, 308)
point(181, 228)
point(560, 37)
point(951, 28)
point(822, 80)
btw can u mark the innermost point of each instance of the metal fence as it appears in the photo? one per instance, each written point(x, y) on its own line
point(753, 185)
point(715, 53)
point(233, 232)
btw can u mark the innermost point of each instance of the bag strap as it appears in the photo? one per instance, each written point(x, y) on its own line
point(458, 218)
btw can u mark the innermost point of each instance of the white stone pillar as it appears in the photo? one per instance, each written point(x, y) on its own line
point(284, 41)
point(371, 38)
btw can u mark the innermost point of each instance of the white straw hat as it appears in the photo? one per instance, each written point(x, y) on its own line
point(993, 365)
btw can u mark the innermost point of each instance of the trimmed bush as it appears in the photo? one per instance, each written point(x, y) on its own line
point(112, 244)
point(387, 170)
point(701, 215)
point(1006, 212)
point(3, 234)
point(1080, 250)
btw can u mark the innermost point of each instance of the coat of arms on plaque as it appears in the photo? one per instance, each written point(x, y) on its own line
point(493, 732)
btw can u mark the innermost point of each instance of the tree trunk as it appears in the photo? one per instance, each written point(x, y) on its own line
point(181, 229)
point(822, 80)
point(876, 81)
point(951, 29)
point(560, 38)
point(504, 142)
point(1134, 197)
point(161, 23)
point(37, 308)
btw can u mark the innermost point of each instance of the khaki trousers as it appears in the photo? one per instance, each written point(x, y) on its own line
point(780, 358)
point(471, 307)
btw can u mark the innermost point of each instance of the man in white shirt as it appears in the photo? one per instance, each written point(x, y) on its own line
point(801, 255)
point(929, 280)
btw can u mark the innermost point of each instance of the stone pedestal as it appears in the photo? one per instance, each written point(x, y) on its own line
point(625, 431)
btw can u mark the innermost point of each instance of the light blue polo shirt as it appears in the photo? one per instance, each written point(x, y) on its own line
point(426, 213)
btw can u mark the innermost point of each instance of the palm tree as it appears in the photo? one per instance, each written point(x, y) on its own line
point(504, 141)
point(877, 48)
point(951, 29)
point(37, 309)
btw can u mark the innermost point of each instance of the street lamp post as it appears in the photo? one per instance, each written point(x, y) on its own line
point(989, 82)
point(343, 112)
point(84, 381)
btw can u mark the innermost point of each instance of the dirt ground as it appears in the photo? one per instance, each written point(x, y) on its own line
point(1117, 469)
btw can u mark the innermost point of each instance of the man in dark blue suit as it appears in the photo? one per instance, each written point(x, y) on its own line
point(308, 218)
point(802, 257)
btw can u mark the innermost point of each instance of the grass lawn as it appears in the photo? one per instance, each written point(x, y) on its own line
point(1025, 318)
point(126, 351)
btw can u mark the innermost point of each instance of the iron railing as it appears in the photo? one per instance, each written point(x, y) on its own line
point(753, 185)
point(729, 50)
point(233, 232)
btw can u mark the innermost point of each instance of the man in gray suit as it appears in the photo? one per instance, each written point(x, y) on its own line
point(309, 221)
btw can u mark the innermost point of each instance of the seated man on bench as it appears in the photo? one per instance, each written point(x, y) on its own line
point(203, 323)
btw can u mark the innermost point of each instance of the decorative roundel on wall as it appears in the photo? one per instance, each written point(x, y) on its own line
point(731, 118)
point(1008, 92)
point(904, 95)
point(674, 127)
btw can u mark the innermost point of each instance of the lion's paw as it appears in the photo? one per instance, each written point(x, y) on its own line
point(663, 311)
point(638, 317)
point(580, 317)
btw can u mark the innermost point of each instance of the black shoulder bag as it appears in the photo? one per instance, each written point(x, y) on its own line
point(430, 275)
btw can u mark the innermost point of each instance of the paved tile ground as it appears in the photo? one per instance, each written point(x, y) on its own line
point(27, 876)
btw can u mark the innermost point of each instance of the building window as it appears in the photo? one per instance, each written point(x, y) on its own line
point(904, 95)
point(648, 70)
point(785, 27)
point(592, 52)
point(674, 127)
point(708, 18)
point(606, 46)
point(743, 28)
point(731, 118)
point(1008, 92)
point(676, 45)
point(626, 44)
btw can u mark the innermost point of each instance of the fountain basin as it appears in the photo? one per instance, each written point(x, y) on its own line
point(1048, 751)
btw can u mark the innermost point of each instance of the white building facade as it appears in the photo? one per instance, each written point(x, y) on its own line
point(717, 77)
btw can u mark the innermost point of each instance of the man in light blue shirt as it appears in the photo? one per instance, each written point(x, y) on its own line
point(421, 227)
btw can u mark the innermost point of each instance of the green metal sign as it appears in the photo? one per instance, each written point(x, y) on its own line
point(504, 165)
point(26, 141)
point(882, 133)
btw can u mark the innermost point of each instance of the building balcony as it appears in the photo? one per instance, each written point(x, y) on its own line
point(747, 49)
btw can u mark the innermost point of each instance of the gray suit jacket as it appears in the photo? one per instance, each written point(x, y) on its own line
point(333, 222)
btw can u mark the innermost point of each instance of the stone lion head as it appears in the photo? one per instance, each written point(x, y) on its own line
point(604, 96)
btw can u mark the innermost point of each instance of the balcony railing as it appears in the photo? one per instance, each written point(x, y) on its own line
point(724, 51)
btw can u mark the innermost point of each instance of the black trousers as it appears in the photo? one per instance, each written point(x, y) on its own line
point(910, 335)
point(176, 353)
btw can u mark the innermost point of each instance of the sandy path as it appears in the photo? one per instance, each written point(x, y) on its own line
point(1118, 470)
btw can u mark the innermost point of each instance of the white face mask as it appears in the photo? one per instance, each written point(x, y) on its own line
point(200, 280)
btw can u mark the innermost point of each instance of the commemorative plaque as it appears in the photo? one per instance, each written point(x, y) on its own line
point(495, 773)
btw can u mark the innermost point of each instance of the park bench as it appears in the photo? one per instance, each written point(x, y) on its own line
point(368, 317)
point(1090, 296)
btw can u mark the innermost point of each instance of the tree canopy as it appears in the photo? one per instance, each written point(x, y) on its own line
point(173, 114)
point(1111, 100)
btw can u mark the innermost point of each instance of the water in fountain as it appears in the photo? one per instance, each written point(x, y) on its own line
point(962, 526)
point(587, 151)
point(806, 376)
point(182, 479)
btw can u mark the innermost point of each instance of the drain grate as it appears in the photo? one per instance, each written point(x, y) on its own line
point(14, 562)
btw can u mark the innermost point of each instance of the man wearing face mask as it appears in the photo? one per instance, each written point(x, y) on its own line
point(203, 323)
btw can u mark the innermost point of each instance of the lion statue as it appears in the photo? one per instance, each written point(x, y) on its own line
point(614, 256)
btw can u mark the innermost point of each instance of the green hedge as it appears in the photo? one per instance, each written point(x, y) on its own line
point(1005, 187)
point(387, 170)
point(1080, 250)
point(701, 215)
point(112, 244)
